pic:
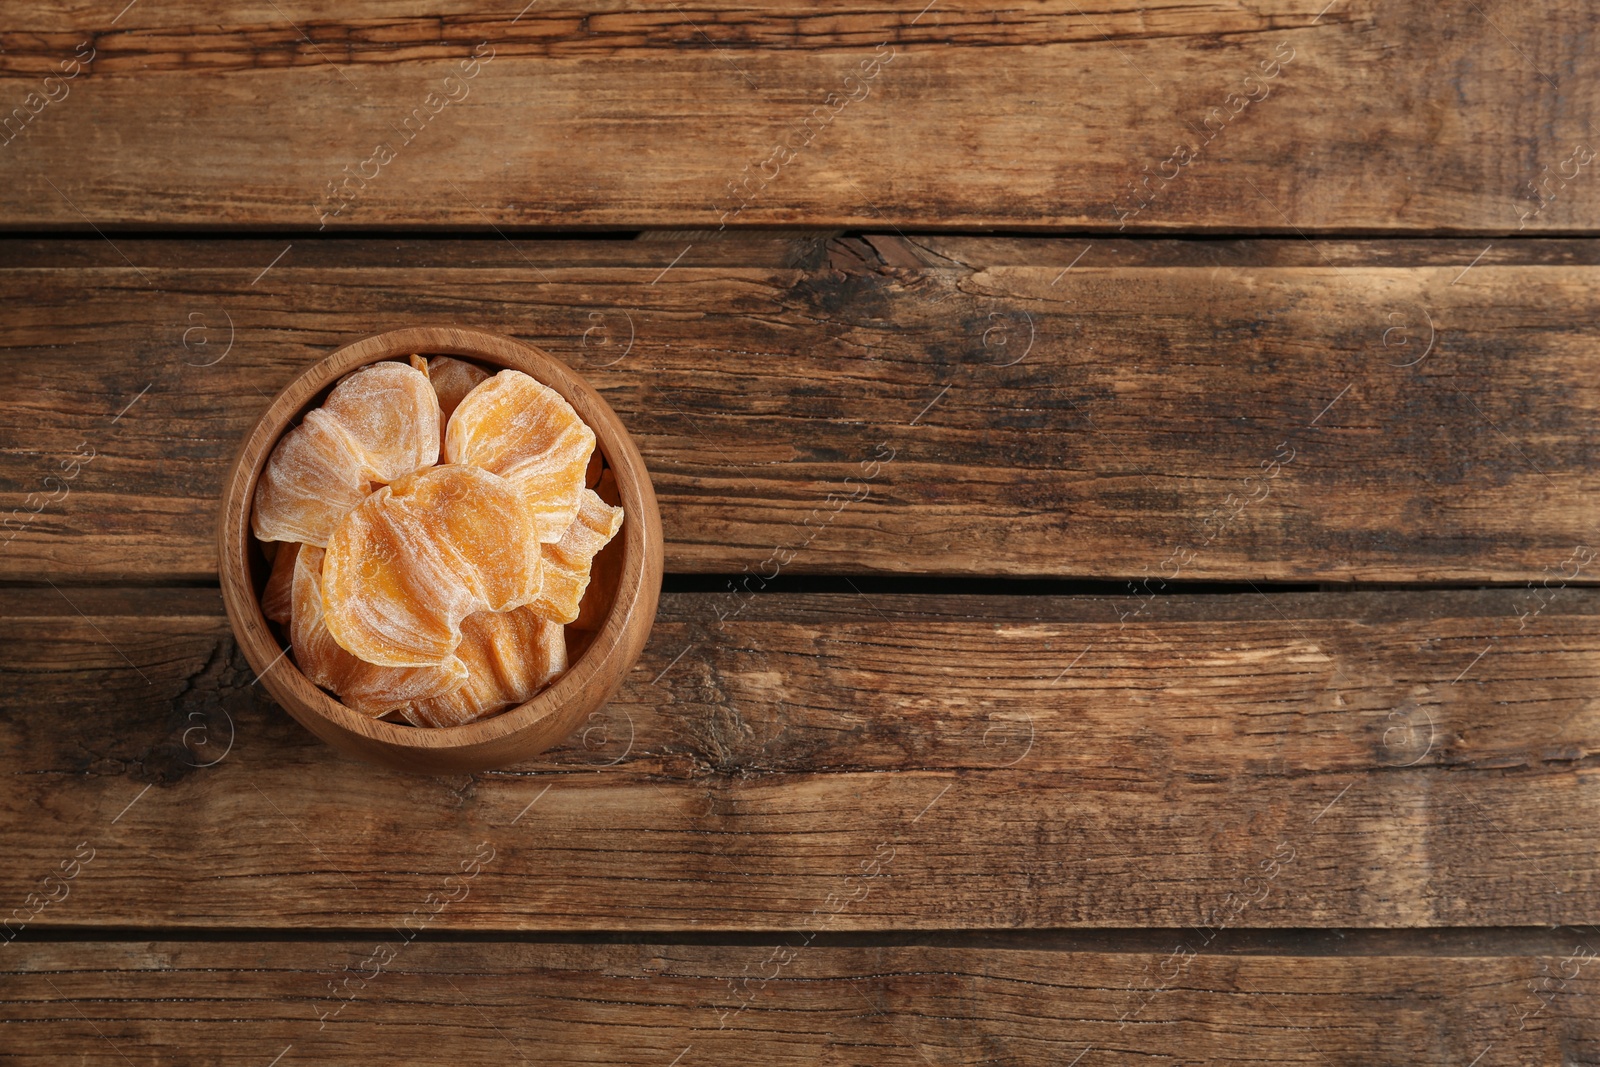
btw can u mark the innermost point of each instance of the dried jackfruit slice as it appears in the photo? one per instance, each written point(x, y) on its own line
point(567, 562)
point(605, 570)
point(605, 578)
point(313, 478)
point(509, 655)
point(524, 431)
point(452, 380)
point(277, 596)
point(391, 413)
point(378, 424)
point(363, 687)
point(417, 557)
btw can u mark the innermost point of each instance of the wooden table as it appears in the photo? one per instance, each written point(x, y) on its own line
point(1130, 482)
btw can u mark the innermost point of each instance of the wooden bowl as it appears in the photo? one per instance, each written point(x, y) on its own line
point(513, 735)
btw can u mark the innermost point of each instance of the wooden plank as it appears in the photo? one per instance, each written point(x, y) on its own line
point(1435, 422)
point(1301, 760)
point(790, 1002)
point(1281, 116)
point(789, 248)
point(743, 248)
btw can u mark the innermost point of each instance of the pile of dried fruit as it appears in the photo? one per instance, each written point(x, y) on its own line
point(434, 531)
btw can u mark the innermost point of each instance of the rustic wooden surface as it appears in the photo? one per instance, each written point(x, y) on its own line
point(1110, 422)
point(1132, 567)
point(1018, 758)
point(1295, 114)
point(784, 1001)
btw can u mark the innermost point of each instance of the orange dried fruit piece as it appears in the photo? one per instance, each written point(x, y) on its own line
point(526, 432)
point(313, 478)
point(509, 657)
point(277, 596)
point(407, 566)
point(452, 380)
point(567, 562)
point(391, 413)
point(378, 424)
point(361, 686)
point(605, 577)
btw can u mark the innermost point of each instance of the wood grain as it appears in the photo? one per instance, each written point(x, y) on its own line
point(1305, 760)
point(1364, 117)
point(984, 414)
point(787, 248)
point(655, 1004)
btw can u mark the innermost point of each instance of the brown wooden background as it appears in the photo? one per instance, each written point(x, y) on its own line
point(1106, 622)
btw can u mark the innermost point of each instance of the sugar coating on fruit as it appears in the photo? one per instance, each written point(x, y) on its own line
point(417, 557)
point(364, 687)
point(567, 562)
point(312, 480)
point(391, 413)
point(378, 424)
point(526, 432)
point(509, 657)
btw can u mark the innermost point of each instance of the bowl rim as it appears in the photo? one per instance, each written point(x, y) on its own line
point(602, 665)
